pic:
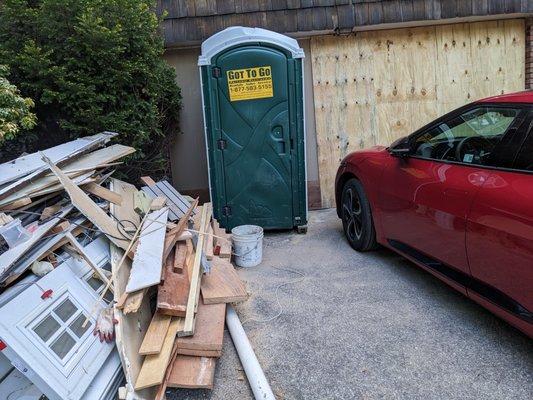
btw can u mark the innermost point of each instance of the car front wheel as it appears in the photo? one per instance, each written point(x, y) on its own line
point(357, 217)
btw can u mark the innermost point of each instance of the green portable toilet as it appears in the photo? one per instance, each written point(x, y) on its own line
point(252, 92)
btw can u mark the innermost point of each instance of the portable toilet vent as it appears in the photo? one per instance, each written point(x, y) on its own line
point(252, 91)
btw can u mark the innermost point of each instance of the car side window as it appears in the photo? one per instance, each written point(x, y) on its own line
point(524, 160)
point(469, 137)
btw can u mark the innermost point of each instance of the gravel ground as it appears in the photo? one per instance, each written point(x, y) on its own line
point(365, 326)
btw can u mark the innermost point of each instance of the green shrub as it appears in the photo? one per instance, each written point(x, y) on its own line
point(90, 66)
point(14, 109)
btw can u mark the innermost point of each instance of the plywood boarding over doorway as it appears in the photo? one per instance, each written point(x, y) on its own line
point(374, 87)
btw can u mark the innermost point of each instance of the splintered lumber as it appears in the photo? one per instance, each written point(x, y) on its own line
point(16, 204)
point(174, 234)
point(173, 292)
point(148, 259)
point(208, 333)
point(32, 166)
point(91, 210)
point(155, 335)
point(223, 240)
point(103, 193)
point(196, 274)
point(49, 211)
point(154, 366)
point(222, 284)
point(192, 372)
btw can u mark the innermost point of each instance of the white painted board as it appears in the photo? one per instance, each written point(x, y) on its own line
point(148, 258)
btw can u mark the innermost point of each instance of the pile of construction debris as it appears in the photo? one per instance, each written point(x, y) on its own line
point(106, 289)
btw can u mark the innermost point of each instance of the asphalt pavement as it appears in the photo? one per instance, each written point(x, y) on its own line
point(327, 322)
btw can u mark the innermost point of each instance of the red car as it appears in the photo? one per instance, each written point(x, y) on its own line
point(455, 197)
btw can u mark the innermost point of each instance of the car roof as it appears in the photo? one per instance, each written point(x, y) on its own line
point(518, 97)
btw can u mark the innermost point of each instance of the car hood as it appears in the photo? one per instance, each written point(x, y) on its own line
point(361, 155)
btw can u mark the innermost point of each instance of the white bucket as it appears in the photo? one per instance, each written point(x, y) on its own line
point(247, 245)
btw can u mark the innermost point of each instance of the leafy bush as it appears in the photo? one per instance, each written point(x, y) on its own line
point(90, 66)
point(14, 110)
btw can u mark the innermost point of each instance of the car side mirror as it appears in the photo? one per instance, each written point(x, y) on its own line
point(400, 148)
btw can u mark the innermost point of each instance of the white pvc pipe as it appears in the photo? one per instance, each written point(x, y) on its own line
point(254, 373)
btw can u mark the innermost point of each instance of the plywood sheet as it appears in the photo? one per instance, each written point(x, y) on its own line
point(375, 87)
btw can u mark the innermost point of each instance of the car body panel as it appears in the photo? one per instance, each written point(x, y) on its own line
point(471, 226)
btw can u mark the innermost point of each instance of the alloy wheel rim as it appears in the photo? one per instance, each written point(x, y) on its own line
point(351, 214)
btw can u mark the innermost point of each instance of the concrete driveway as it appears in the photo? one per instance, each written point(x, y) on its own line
point(365, 326)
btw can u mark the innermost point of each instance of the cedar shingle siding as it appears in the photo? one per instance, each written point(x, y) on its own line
point(192, 21)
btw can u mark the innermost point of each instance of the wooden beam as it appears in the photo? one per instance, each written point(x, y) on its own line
point(155, 335)
point(196, 275)
point(87, 207)
point(173, 292)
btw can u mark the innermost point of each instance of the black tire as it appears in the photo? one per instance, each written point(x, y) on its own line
point(356, 217)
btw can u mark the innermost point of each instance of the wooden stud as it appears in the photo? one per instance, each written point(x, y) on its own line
point(155, 335)
point(222, 284)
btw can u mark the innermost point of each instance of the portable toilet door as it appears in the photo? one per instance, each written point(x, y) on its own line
point(252, 89)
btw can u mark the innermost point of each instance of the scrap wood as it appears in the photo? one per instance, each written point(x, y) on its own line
point(141, 203)
point(154, 366)
point(172, 237)
point(5, 219)
point(223, 240)
point(196, 275)
point(155, 335)
point(28, 168)
point(173, 292)
point(158, 203)
point(192, 372)
point(50, 210)
point(148, 259)
point(16, 204)
point(103, 193)
point(208, 249)
point(81, 251)
point(91, 210)
point(209, 330)
point(175, 201)
point(222, 284)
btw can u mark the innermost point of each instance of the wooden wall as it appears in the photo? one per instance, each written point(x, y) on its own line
point(376, 86)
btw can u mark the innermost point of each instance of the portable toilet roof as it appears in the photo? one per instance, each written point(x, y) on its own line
point(236, 35)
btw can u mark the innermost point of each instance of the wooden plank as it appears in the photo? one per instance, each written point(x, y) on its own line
point(148, 181)
point(192, 372)
point(158, 203)
point(173, 293)
point(87, 207)
point(222, 284)
point(16, 204)
point(148, 259)
point(223, 240)
point(155, 335)
point(154, 366)
point(174, 234)
point(196, 274)
point(200, 353)
point(103, 193)
point(209, 331)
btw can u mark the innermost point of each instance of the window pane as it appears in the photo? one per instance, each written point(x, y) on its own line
point(524, 161)
point(46, 328)
point(65, 310)
point(95, 283)
point(469, 138)
point(63, 344)
point(76, 326)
